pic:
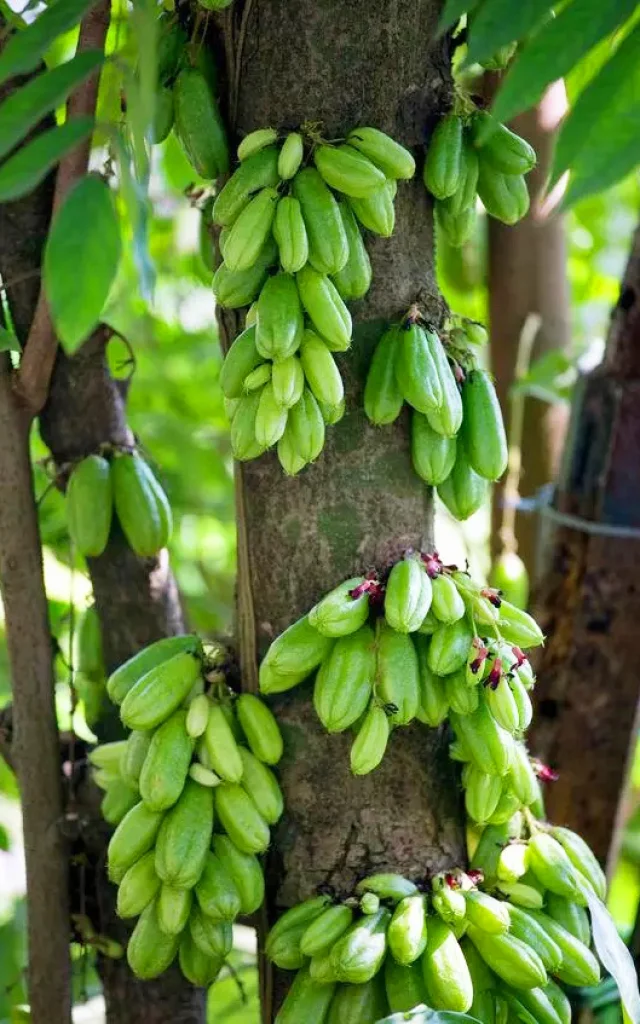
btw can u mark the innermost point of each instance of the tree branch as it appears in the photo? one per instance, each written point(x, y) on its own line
point(32, 381)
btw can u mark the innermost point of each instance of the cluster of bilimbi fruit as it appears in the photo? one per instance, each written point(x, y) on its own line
point(425, 643)
point(117, 481)
point(458, 440)
point(493, 941)
point(291, 219)
point(193, 796)
point(473, 154)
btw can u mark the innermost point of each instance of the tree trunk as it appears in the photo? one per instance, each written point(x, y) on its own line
point(361, 504)
point(588, 689)
point(528, 274)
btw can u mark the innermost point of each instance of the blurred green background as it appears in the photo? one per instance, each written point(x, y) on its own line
point(176, 410)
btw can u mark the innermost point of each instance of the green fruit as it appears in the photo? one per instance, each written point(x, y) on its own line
point(486, 912)
point(443, 166)
point(550, 864)
point(213, 938)
point(240, 819)
point(198, 968)
point(493, 840)
point(171, 42)
point(282, 946)
point(433, 706)
point(583, 859)
point(502, 705)
point(287, 380)
point(240, 360)
point(416, 369)
point(513, 862)
point(447, 604)
point(579, 966)
point(444, 970)
point(221, 746)
point(339, 613)
point(447, 418)
point(326, 929)
point(449, 647)
point(463, 492)
point(159, 693)
point(383, 398)
point(199, 125)
point(163, 115)
point(294, 653)
point(256, 172)
point(271, 419)
point(464, 197)
point(348, 171)
point(359, 1004)
point(280, 324)
point(117, 801)
point(325, 308)
point(501, 148)
point(88, 657)
point(150, 951)
point(184, 837)
point(290, 461)
point(482, 794)
point(407, 932)
point(89, 504)
point(358, 955)
point(456, 227)
point(290, 156)
point(559, 1001)
point(141, 515)
point(250, 231)
point(509, 575)
point(291, 235)
point(216, 891)
point(525, 928)
point(486, 742)
point(260, 728)
point(531, 1005)
point(571, 916)
point(307, 427)
point(138, 887)
point(354, 280)
point(173, 907)
point(244, 444)
point(166, 765)
point(320, 370)
point(328, 244)
point(484, 433)
point(306, 1000)
point(261, 785)
point(376, 212)
point(512, 960)
point(523, 895)
point(134, 756)
point(108, 756)
point(387, 886)
point(503, 196)
point(197, 716)
point(332, 414)
point(404, 986)
point(345, 679)
point(245, 870)
point(135, 834)
point(235, 289)
point(518, 627)
point(393, 159)
point(408, 595)
point(257, 140)
point(371, 741)
point(432, 454)
point(397, 676)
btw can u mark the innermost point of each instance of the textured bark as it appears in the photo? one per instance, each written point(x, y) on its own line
point(360, 505)
point(588, 684)
point(527, 266)
point(137, 602)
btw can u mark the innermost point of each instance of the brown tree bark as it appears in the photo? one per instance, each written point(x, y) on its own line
point(588, 683)
point(527, 268)
point(360, 505)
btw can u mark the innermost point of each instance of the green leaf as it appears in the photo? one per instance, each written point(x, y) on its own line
point(605, 117)
point(499, 22)
point(81, 259)
point(614, 955)
point(24, 170)
point(550, 378)
point(559, 44)
point(24, 50)
point(26, 107)
point(453, 11)
point(8, 343)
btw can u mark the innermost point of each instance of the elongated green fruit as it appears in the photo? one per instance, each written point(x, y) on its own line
point(524, 926)
point(89, 504)
point(290, 233)
point(250, 231)
point(138, 887)
point(404, 986)
point(484, 433)
point(165, 767)
point(464, 196)
point(341, 611)
point(160, 691)
point(307, 426)
point(383, 398)
point(579, 966)
point(139, 513)
point(306, 1000)
point(235, 289)
point(345, 680)
point(464, 491)
point(197, 716)
point(287, 380)
point(348, 171)
point(456, 227)
point(173, 906)
point(550, 864)
point(484, 739)
point(512, 960)
point(486, 912)
point(501, 148)
point(300, 649)
point(326, 929)
point(255, 141)
point(408, 595)
point(433, 705)
point(216, 891)
point(328, 245)
point(290, 156)
point(283, 941)
point(240, 360)
point(184, 837)
point(504, 196)
point(221, 746)
point(571, 916)
point(387, 886)
point(370, 744)
point(325, 308)
point(443, 165)
point(135, 752)
point(198, 968)
point(416, 370)
point(447, 604)
point(397, 677)
point(358, 955)
point(432, 454)
point(258, 171)
point(243, 428)
point(245, 870)
point(117, 801)
point(354, 280)
point(150, 951)
point(320, 370)
point(240, 819)
point(262, 786)
point(271, 418)
point(260, 728)
point(133, 837)
point(377, 212)
point(582, 858)
point(214, 938)
point(199, 125)
point(444, 970)
point(518, 627)
point(280, 325)
point(393, 159)
point(407, 932)
point(449, 647)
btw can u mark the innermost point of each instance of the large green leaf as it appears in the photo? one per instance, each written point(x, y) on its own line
point(499, 22)
point(453, 11)
point(559, 44)
point(26, 168)
point(26, 107)
point(81, 259)
point(25, 49)
point(614, 955)
point(604, 112)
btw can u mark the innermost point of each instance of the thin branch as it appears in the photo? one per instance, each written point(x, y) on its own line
point(32, 382)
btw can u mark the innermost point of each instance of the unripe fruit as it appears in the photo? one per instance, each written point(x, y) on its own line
point(89, 504)
point(397, 677)
point(348, 171)
point(260, 728)
point(291, 235)
point(433, 455)
point(354, 280)
point(416, 369)
point(376, 212)
point(255, 141)
point(199, 125)
point(408, 595)
point(339, 613)
point(320, 370)
point(463, 492)
point(383, 399)
point(443, 165)
point(250, 231)
point(290, 156)
point(370, 744)
point(484, 433)
point(287, 380)
point(271, 418)
point(393, 159)
point(256, 172)
point(445, 972)
point(328, 245)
